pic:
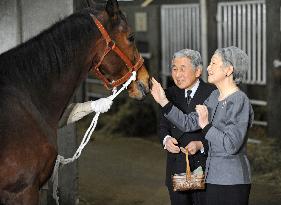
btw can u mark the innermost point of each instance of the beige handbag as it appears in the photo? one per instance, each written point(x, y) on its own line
point(188, 181)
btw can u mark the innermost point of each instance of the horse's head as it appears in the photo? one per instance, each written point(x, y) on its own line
point(116, 52)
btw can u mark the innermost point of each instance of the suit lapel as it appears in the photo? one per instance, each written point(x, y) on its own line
point(180, 99)
point(197, 97)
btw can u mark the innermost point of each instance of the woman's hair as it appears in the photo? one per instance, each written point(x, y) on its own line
point(194, 56)
point(237, 58)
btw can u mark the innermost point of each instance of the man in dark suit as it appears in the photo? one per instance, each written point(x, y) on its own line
point(189, 90)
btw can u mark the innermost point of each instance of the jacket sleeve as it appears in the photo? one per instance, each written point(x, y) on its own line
point(238, 118)
point(164, 128)
point(164, 124)
point(185, 122)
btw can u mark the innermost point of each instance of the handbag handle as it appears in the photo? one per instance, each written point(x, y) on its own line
point(188, 173)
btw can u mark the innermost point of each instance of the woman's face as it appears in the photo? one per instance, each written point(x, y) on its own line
point(216, 71)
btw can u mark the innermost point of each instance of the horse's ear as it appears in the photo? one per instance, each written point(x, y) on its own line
point(112, 8)
point(88, 3)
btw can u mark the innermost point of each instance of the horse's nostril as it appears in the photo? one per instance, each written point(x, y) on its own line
point(149, 83)
point(142, 88)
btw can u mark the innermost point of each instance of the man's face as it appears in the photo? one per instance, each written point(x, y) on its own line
point(183, 74)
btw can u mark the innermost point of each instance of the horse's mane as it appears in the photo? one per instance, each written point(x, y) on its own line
point(50, 51)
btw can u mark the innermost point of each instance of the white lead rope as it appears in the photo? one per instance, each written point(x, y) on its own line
point(61, 160)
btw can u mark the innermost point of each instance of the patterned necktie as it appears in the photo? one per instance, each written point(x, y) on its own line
point(187, 96)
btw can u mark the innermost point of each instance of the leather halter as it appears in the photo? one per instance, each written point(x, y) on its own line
point(111, 46)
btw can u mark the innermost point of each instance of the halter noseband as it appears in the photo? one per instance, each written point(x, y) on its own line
point(110, 45)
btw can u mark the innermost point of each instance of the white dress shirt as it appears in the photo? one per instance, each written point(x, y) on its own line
point(193, 91)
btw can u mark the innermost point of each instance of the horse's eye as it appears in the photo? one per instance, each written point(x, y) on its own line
point(131, 38)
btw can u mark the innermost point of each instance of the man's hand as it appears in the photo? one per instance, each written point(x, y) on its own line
point(193, 147)
point(170, 145)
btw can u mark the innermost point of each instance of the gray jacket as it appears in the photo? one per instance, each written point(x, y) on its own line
point(227, 162)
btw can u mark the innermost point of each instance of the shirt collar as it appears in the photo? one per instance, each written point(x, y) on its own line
point(193, 89)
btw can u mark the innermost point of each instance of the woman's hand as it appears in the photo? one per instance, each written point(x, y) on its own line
point(202, 111)
point(158, 93)
point(193, 147)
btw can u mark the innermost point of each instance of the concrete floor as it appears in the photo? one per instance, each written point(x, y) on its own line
point(130, 171)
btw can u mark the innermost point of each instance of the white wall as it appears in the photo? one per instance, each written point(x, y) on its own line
point(8, 25)
point(23, 19)
point(40, 14)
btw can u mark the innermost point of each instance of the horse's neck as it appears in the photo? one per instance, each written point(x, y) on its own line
point(62, 91)
point(65, 55)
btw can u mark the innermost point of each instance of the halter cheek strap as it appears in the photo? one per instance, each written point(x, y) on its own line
point(111, 46)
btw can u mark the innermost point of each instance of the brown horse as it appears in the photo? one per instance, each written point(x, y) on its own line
point(37, 80)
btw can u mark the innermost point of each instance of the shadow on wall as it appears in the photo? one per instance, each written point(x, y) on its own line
point(130, 118)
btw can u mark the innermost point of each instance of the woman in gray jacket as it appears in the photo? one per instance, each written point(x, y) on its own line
point(225, 118)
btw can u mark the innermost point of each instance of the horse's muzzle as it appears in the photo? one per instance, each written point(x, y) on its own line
point(142, 88)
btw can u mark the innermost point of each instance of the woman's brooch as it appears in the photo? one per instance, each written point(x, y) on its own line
point(223, 104)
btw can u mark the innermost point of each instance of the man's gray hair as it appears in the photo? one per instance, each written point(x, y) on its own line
point(237, 58)
point(194, 56)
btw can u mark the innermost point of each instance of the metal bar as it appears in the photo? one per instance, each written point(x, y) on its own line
point(189, 30)
point(229, 25)
point(239, 26)
point(146, 55)
point(244, 29)
point(181, 31)
point(172, 25)
point(258, 102)
point(176, 6)
point(200, 35)
point(163, 42)
point(186, 27)
point(194, 23)
point(262, 123)
point(264, 44)
point(202, 11)
point(194, 32)
point(234, 30)
point(224, 26)
point(243, 2)
point(249, 76)
point(170, 36)
point(259, 67)
point(177, 36)
point(219, 26)
point(253, 141)
point(176, 25)
point(254, 37)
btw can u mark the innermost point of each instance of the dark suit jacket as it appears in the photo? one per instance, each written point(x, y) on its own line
point(176, 162)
